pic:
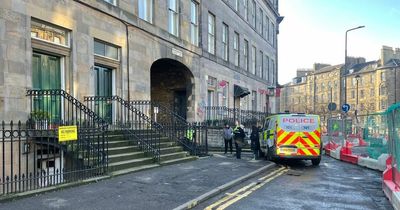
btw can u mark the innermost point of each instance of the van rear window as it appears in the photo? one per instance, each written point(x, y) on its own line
point(299, 123)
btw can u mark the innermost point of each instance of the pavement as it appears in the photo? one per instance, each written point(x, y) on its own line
point(165, 187)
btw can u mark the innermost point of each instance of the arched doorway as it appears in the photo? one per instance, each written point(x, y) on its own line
point(172, 85)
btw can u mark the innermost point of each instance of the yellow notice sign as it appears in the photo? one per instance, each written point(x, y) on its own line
point(67, 133)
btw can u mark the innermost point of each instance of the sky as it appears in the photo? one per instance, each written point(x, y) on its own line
point(313, 31)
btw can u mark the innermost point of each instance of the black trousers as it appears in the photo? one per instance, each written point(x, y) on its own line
point(228, 141)
point(256, 154)
point(238, 151)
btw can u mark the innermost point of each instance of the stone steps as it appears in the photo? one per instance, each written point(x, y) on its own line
point(125, 156)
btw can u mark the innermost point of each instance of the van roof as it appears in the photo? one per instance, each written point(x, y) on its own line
point(294, 114)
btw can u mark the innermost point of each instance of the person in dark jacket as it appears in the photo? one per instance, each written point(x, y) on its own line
point(238, 136)
point(255, 141)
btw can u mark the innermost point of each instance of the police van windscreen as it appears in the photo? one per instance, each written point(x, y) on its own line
point(299, 123)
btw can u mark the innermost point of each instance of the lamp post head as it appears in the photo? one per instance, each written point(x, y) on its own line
point(351, 29)
point(357, 77)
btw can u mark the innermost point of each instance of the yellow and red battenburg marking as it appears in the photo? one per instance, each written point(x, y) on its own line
point(305, 146)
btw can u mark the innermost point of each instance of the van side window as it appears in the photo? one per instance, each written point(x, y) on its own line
point(266, 127)
point(271, 124)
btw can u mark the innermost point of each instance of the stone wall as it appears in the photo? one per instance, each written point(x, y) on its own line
point(148, 43)
point(215, 139)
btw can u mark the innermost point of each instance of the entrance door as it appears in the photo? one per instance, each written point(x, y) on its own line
point(103, 87)
point(180, 103)
point(46, 75)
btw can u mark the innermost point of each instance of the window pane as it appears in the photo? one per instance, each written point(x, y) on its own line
point(194, 31)
point(211, 33)
point(110, 1)
point(111, 52)
point(99, 48)
point(145, 10)
point(172, 5)
point(253, 60)
point(106, 50)
point(173, 17)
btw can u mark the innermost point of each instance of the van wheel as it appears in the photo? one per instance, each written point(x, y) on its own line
point(316, 162)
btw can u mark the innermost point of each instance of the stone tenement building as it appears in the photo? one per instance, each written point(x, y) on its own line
point(374, 83)
point(186, 53)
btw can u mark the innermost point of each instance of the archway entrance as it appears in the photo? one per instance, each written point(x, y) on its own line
point(172, 85)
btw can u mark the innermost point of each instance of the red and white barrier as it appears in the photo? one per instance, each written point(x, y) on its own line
point(345, 154)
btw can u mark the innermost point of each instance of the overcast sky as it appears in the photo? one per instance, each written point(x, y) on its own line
point(313, 31)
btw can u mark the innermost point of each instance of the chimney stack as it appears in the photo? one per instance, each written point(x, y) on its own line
point(397, 53)
point(387, 53)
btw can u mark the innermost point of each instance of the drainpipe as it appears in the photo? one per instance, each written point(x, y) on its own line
point(127, 59)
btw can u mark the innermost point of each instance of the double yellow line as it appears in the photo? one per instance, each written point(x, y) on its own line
point(243, 192)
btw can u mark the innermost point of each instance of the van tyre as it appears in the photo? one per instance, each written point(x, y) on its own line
point(316, 162)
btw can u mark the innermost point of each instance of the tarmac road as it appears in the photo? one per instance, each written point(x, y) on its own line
point(332, 185)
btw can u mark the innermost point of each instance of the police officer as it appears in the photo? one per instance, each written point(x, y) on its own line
point(238, 136)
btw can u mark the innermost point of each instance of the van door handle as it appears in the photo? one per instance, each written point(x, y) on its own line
point(305, 137)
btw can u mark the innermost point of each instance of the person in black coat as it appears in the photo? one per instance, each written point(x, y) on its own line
point(255, 141)
point(238, 136)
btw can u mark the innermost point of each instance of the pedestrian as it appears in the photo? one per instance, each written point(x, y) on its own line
point(255, 141)
point(238, 136)
point(227, 135)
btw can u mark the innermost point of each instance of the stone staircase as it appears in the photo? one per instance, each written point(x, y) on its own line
point(125, 156)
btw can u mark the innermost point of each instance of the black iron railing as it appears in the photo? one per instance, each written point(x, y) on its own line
point(192, 136)
point(217, 116)
point(136, 126)
point(32, 156)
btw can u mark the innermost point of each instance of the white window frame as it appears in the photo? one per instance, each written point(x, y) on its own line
point(194, 23)
point(173, 17)
point(113, 2)
point(211, 33)
point(273, 71)
point(246, 9)
point(266, 28)
point(236, 48)
point(105, 49)
point(253, 59)
point(236, 5)
point(273, 34)
point(145, 10)
point(261, 67)
point(253, 13)
point(225, 42)
point(267, 66)
point(261, 22)
point(246, 55)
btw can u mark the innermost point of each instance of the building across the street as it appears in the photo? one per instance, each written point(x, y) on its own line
point(187, 54)
point(371, 86)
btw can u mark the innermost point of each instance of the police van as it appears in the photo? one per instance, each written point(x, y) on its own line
point(292, 136)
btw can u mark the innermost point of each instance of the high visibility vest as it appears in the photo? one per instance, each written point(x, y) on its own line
point(189, 134)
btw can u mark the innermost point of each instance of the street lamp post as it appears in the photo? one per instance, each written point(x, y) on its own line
point(395, 81)
point(357, 77)
point(345, 61)
point(344, 78)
